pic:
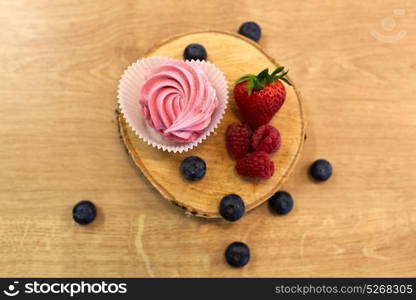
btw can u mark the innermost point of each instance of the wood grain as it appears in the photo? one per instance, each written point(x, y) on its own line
point(202, 198)
point(60, 64)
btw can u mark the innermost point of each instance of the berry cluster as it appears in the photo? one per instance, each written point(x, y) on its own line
point(251, 150)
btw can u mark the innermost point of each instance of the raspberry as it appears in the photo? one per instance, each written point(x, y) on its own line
point(238, 140)
point(256, 165)
point(266, 138)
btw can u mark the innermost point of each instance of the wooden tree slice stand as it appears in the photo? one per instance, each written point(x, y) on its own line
point(235, 56)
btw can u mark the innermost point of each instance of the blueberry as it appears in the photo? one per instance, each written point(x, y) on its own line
point(232, 207)
point(195, 51)
point(251, 30)
point(193, 168)
point(281, 203)
point(321, 170)
point(84, 212)
point(237, 254)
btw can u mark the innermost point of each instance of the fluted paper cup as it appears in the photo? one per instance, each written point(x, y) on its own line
point(129, 94)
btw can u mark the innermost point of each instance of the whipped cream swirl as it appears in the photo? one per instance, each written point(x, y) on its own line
point(178, 101)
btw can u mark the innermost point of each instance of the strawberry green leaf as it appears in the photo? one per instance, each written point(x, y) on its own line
point(263, 75)
point(250, 86)
point(258, 85)
point(277, 70)
point(260, 80)
point(285, 80)
point(284, 74)
point(244, 78)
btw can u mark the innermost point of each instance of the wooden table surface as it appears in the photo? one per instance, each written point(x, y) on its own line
point(60, 61)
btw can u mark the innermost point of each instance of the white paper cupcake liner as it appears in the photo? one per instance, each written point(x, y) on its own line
point(129, 93)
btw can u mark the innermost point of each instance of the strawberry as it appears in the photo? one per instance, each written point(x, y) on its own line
point(259, 97)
